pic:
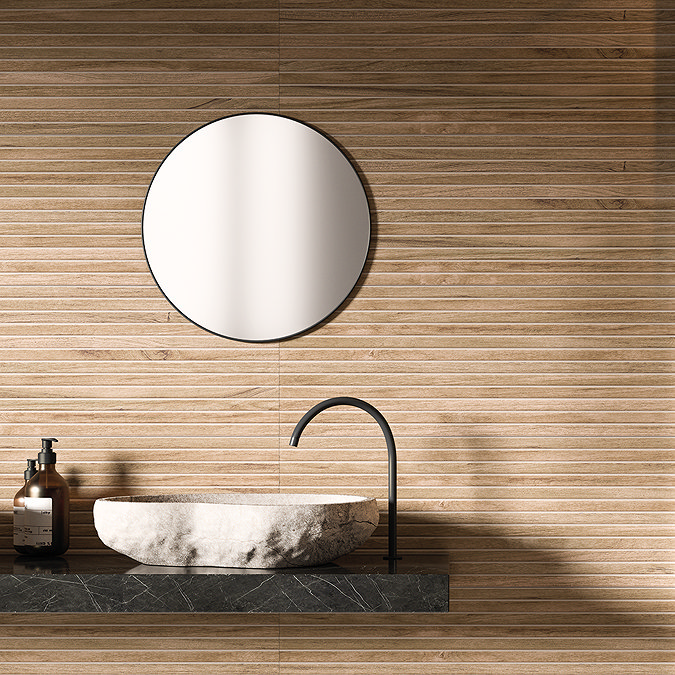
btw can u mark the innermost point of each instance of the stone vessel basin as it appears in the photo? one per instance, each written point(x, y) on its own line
point(264, 530)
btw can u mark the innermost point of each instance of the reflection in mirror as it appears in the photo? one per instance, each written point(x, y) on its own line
point(256, 227)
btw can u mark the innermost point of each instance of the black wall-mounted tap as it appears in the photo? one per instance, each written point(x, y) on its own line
point(392, 557)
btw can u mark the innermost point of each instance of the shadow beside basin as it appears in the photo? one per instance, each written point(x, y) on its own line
point(263, 530)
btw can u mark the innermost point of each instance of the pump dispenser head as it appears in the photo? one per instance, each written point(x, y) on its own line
point(47, 456)
point(30, 469)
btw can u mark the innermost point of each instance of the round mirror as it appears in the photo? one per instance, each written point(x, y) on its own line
point(256, 227)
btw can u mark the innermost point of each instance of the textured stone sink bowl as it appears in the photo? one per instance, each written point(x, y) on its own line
point(235, 530)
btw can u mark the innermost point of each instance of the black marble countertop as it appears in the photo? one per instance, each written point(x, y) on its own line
point(115, 583)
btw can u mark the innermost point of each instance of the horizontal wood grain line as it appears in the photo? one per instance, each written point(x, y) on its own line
point(461, 643)
point(630, 86)
point(416, 170)
point(447, 481)
point(598, 184)
point(470, 470)
point(223, 23)
point(522, 272)
point(461, 8)
point(445, 627)
point(20, 258)
point(265, 660)
point(600, 57)
point(339, 120)
point(456, 317)
point(96, 194)
point(294, 391)
point(607, 307)
point(26, 74)
point(128, 63)
point(584, 295)
point(323, 101)
point(618, 447)
point(541, 84)
point(121, 645)
point(304, 11)
point(134, 148)
point(200, 340)
point(486, 38)
point(196, 626)
point(85, 486)
point(250, 85)
point(378, 363)
point(252, 456)
point(110, 644)
point(561, 498)
point(120, 398)
point(453, 21)
point(86, 667)
point(145, 133)
point(459, 16)
point(460, 330)
point(506, 229)
point(358, 667)
point(473, 459)
point(402, 159)
point(485, 616)
point(28, 33)
point(343, 22)
point(206, 625)
point(196, 402)
point(603, 423)
point(658, 508)
point(433, 628)
point(177, 64)
point(344, 358)
point(267, 99)
point(392, 274)
point(343, 114)
point(200, 464)
point(476, 469)
point(244, 13)
point(510, 203)
point(441, 202)
point(299, 62)
point(400, 662)
point(440, 19)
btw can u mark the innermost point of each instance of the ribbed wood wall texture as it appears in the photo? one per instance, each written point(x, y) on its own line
point(512, 324)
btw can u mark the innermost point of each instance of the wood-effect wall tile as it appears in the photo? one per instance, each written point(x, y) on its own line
point(513, 322)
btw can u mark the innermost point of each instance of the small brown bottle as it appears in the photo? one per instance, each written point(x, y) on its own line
point(47, 501)
point(20, 508)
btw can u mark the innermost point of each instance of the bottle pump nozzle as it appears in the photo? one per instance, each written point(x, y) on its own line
point(30, 469)
point(47, 456)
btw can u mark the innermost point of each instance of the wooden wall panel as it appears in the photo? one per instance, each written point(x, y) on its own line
point(515, 226)
point(513, 322)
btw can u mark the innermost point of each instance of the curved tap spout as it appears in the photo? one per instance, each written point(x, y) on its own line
point(391, 452)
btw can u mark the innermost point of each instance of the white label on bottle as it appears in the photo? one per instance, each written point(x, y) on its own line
point(37, 522)
point(18, 526)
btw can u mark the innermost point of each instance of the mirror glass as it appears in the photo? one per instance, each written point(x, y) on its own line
point(256, 227)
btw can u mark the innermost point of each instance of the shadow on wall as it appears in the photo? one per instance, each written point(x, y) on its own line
point(119, 484)
point(494, 573)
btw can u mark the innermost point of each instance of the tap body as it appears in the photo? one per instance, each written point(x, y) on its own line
point(391, 453)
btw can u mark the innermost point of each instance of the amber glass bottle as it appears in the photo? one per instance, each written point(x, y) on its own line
point(47, 502)
point(20, 508)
